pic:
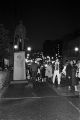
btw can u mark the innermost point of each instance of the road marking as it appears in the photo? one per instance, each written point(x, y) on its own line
point(74, 106)
point(35, 97)
point(49, 96)
point(19, 98)
point(65, 95)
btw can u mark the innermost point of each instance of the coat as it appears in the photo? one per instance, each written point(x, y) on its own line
point(48, 71)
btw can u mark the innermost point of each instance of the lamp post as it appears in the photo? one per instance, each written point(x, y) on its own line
point(15, 48)
point(77, 51)
point(29, 51)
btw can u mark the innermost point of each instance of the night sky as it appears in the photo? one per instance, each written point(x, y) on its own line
point(43, 21)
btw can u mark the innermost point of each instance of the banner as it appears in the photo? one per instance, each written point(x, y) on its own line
point(19, 66)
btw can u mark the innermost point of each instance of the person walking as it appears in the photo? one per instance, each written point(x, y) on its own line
point(42, 71)
point(74, 79)
point(69, 74)
point(56, 72)
point(34, 69)
point(48, 72)
point(78, 70)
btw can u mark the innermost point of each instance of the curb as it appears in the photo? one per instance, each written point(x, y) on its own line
point(2, 90)
point(18, 81)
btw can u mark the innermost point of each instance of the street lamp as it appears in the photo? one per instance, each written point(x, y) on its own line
point(76, 49)
point(28, 48)
point(15, 47)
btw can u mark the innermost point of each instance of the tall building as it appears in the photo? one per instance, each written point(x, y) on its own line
point(53, 47)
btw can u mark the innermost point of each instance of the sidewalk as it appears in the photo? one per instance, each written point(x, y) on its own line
point(16, 82)
point(64, 91)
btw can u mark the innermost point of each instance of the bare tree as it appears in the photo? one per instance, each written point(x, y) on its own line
point(4, 40)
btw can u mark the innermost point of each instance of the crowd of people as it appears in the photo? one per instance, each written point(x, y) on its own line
point(67, 75)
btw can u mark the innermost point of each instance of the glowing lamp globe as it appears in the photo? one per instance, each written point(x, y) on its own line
point(76, 49)
point(15, 46)
point(29, 49)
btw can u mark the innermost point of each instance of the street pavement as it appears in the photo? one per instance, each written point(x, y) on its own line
point(23, 102)
point(23, 90)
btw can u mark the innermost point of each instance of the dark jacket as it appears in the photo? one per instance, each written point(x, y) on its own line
point(69, 70)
